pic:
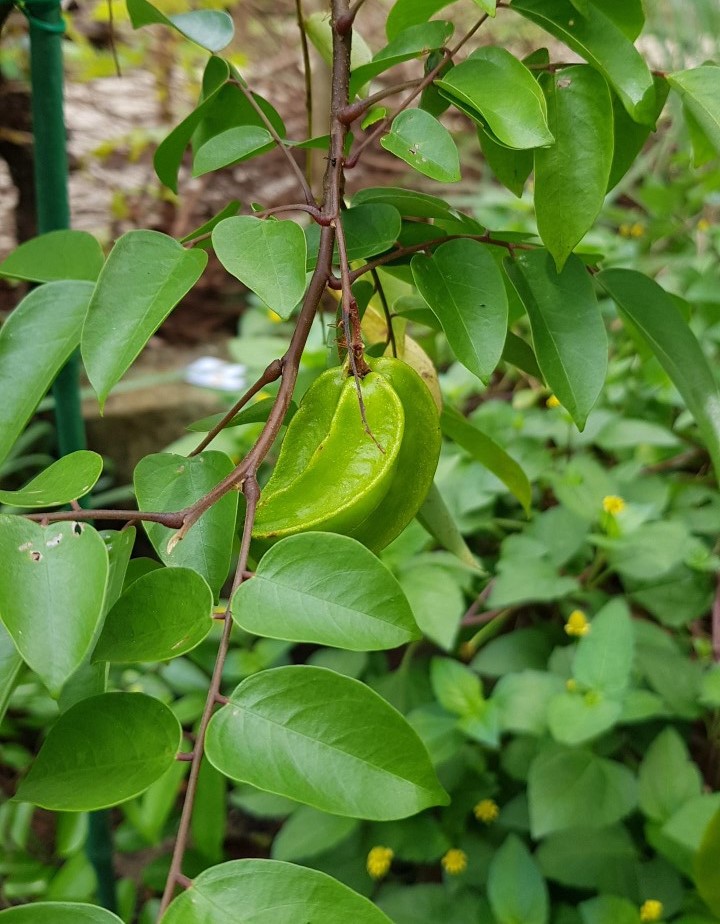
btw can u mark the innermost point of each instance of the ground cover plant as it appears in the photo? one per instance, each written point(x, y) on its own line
point(426, 628)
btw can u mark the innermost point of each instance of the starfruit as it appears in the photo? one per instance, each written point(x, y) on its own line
point(341, 473)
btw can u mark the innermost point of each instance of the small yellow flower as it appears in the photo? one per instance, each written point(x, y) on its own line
point(487, 811)
point(454, 862)
point(378, 861)
point(637, 230)
point(651, 910)
point(577, 624)
point(571, 684)
point(703, 225)
point(613, 504)
point(624, 230)
point(552, 401)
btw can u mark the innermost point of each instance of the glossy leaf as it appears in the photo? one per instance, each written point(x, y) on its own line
point(409, 202)
point(699, 89)
point(572, 175)
point(269, 892)
point(211, 29)
point(628, 15)
point(370, 229)
point(516, 888)
point(486, 451)
point(168, 482)
point(462, 284)
point(630, 136)
point(160, 616)
point(267, 256)
point(40, 588)
point(325, 589)
point(501, 94)
point(102, 751)
point(55, 255)
point(511, 167)
point(35, 343)
point(406, 13)
point(425, 144)
point(145, 276)
point(65, 480)
point(230, 147)
point(597, 39)
point(286, 731)
point(58, 913)
point(655, 315)
point(568, 332)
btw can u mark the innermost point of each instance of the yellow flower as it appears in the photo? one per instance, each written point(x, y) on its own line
point(651, 910)
point(577, 623)
point(487, 811)
point(378, 861)
point(703, 225)
point(637, 230)
point(552, 401)
point(454, 862)
point(613, 504)
point(624, 230)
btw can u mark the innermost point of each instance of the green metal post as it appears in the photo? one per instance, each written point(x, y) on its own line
point(53, 213)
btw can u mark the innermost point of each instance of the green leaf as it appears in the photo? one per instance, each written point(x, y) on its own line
point(705, 866)
point(598, 40)
point(425, 144)
point(412, 42)
point(102, 751)
point(606, 857)
point(571, 176)
point(145, 276)
point(628, 15)
point(523, 700)
point(486, 451)
point(630, 136)
point(230, 147)
point(10, 664)
point(211, 29)
point(58, 913)
point(650, 551)
point(63, 481)
point(456, 687)
point(566, 786)
point(436, 518)
point(501, 94)
point(604, 658)
point(168, 482)
point(308, 833)
point(516, 889)
point(269, 892)
point(55, 255)
point(437, 602)
point(160, 616)
point(511, 167)
point(314, 588)
point(409, 202)
point(568, 332)
point(699, 89)
point(575, 717)
point(428, 903)
point(267, 256)
point(254, 413)
point(406, 13)
point(35, 343)
point(370, 229)
point(521, 649)
point(462, 284)
point(210, 813)
point(653, 312)
point(286, 731)
point(232, 208)
point(41, 588)
point(667, 778)
point(608, 909)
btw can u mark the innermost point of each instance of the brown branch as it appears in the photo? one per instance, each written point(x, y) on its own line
point(353, 112)
point(173, 519)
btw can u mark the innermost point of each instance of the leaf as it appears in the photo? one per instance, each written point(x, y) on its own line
point(523, 699)
point(486, 451)
point(102, 751)
point(572, 175)
point(650, 551)
point(521, 649)
point(10, 664)
point(608, 909)
point(462, 284)
point(425, 144)
point(232, 208)
point(456, 687)
point(607, 855)
point(211, 29)
point(269, 892)
point(575, 717)
point(325, 589)
point(163, 614)
point(253, 413)
point(566, 786)
point(267, 256)
point(653, 312)
point(604, 657)
point(667, 778)
point(500, 93)
point(428, 903)
point(699, 89)
point(308, 833)
point(230, 147)
point(55, 255)
point(511, 167)
point(568, 332)
point(409, 202)
point(40, 591)
point(168, 482)
point(600, 42)
point(630, 136)
point(145, 276)
point(286, 731)
point(35, 343)
point(370, 229)
point(515, 887)
point(705, 866)
point(406, 13)
point(63, 481)
point(58, 913)
point(628, 15)
point(437, 602)
point(435, 517)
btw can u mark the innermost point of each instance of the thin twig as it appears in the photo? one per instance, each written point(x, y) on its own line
point(386, 310)
point(353, 112)
point(172, 519)
point(307, 75)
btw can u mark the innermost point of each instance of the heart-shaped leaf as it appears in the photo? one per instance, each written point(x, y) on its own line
point(64, 481)
point(103, 750)
point(420, 140)
point(52, 593)
point(286, 731)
